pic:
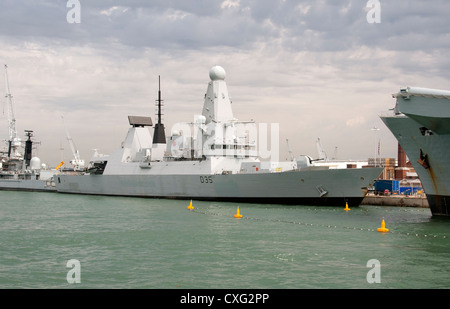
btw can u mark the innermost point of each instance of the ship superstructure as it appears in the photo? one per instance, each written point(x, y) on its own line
point(215, 157)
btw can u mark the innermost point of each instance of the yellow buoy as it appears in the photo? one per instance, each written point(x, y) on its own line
point(383, 228)
point(190, 207)
point(346, 207)
point(238, 215)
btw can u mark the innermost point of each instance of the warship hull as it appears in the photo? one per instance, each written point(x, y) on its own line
point(421, 124)
point(315, 187)
point(435, 177)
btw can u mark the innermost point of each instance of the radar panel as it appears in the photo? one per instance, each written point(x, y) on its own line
point(140, 121)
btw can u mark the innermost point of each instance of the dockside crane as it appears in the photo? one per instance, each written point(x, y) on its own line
point(290, 151)
point(14, 142)
point(293, 162)
point(322, 153)
point(77, 162)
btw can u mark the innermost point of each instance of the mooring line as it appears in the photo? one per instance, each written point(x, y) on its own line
point(322, 225)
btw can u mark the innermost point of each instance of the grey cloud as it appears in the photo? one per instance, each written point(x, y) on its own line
point(281, 55)
point(176, 27)
point(193, 24)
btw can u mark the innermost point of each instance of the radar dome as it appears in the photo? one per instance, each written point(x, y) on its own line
point(35, 163)
point(217, 73)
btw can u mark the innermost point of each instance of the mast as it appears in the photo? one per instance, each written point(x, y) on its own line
point(159, 136)
point(158, 102)
point(28, 149)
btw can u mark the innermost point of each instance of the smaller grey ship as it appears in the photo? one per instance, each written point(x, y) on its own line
point(17, 171)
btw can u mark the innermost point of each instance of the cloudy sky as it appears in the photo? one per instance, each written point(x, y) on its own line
point(318, 68)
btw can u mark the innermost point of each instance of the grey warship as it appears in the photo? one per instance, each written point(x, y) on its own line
point(214, 157)
point(420, 121)
point(22, 172)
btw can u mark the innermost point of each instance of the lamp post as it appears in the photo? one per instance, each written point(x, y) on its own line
point(375, 129)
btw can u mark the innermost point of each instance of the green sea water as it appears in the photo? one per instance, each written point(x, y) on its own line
point(139, 243)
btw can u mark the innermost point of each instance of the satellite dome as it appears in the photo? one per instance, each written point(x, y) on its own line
point(35, 163)
point(217, 73)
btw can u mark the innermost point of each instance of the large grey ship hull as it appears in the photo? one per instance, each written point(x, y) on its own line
point(421, 124)
point(314, 187)
point(435, 179)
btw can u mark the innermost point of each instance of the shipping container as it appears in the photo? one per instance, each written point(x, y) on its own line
point(386, 186)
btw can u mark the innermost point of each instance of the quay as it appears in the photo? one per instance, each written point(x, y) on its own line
point(396, 200)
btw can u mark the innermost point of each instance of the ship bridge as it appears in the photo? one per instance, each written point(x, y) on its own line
point(214, 133)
